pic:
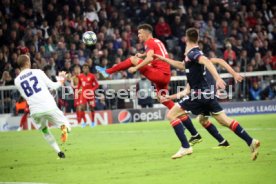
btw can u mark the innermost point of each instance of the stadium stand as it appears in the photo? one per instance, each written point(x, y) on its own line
point(51, 31)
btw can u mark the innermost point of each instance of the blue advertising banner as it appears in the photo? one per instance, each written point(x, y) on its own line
point(246, 108)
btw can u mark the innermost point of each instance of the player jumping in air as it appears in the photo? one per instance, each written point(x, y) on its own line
point(33, 85)
point(201, 99)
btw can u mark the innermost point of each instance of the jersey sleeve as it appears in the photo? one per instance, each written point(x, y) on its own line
point(50, 84)
point(194, 55)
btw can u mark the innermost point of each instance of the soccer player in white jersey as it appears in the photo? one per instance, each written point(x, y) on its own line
point(34, 85)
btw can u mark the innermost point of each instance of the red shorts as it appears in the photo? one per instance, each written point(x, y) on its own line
point(81, 100)
point(159, 78)
point(91, 102)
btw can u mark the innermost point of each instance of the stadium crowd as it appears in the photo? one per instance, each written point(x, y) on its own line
point(243, 32)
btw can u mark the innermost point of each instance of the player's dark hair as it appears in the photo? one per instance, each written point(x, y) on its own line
point(85, 65)
point(192, 35)
point(22, 60)
point(145, 27)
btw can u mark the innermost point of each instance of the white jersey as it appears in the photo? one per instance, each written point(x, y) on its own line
point(33, 85)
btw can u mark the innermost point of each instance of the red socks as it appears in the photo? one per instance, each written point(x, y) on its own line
point(81, 115)
point(120, 66)
point(234, 125)
point(207, 125)
point(175, 122)
point(23, 122)
point(78, 116)
point(92, 116)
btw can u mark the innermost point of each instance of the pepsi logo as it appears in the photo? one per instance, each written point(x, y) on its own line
point(124, 116)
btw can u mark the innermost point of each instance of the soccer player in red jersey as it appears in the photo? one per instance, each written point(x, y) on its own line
point(88, 84)
point(152, 68)
point(78, 98)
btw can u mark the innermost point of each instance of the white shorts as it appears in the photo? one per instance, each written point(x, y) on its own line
point(55, 117)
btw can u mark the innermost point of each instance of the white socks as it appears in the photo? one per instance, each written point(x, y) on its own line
point(51, 140)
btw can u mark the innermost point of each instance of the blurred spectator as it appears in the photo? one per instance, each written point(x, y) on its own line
point(163, 29)
point(269, 93)
point(230, 55)
point(45, 29)
point(144, 92)
point(100, 103)
point(255, 91)
point(178, 27)
point(92, 12)
point(243, 60)
point(223, 32)
point(20, 106)
point(6, 79)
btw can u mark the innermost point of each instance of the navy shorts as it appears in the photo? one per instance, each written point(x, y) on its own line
point(201, 106)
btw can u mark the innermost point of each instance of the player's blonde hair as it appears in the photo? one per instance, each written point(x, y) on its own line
point(23, 60)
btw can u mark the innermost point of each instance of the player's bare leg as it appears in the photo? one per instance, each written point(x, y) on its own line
point(178, 127)
point(204, 121)
point(253, 144)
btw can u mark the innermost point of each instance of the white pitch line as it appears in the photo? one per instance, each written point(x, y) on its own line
point(20, 183)
point(200, 129)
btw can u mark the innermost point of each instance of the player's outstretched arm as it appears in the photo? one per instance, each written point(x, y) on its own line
point(225, 65)
point(209, 65)
point(178, 95)
point(141, 55)
point(147, 60)
point(174, 63)
point(50, 84)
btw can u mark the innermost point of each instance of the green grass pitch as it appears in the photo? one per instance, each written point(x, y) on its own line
point(139, 153)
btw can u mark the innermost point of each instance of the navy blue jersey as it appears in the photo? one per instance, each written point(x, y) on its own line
point(196, 72)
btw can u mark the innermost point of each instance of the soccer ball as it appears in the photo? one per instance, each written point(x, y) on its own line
point(89, 38)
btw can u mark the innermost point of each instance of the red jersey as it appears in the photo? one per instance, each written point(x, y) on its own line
point(158, 48)
point(88, 81)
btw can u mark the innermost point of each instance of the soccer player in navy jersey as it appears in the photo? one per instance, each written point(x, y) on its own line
point(201, 99)
point(204, 118)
